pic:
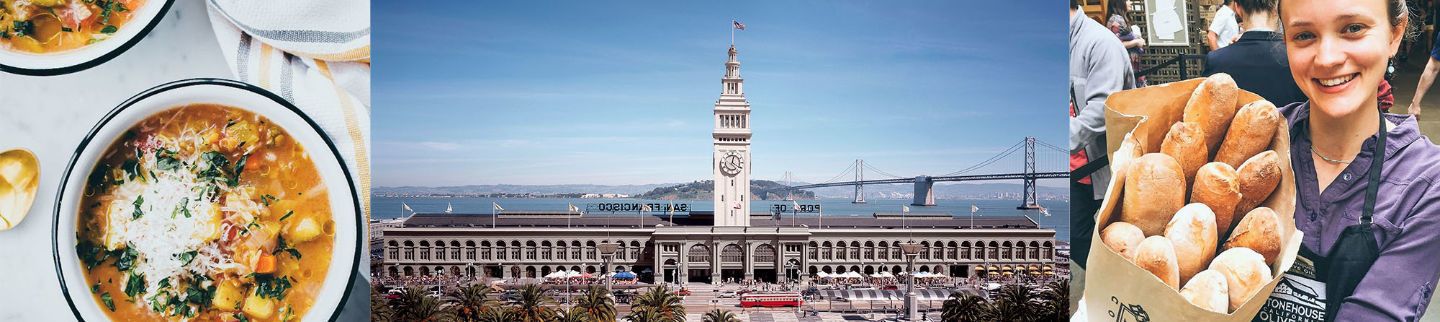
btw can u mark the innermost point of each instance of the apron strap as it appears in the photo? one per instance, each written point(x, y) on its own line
point(1373, 177)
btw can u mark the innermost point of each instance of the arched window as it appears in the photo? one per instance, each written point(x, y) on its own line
point(575, 249)
point(530, 250)
point(392, 250)
point(515, 249)
point(965, 250)
point(590, 250)
point(869, 250)
point(765, 253)
point(1005, 250)
point(455, 250)
point(635, 250)
point(409, 251)
point(884, 250)
point(855, 250)
point(424, 253)
point(485, 249)
point(470, 251)
point(698, 254)
point(732, 254)
point(545, 250)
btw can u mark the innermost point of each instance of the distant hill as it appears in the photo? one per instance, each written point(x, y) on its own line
point(701, 189)
point(519, 189)
point(704, 189)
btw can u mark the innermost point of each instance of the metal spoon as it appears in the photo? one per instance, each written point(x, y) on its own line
point(19, 179)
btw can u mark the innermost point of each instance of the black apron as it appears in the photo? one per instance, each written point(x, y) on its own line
point(1298, 298)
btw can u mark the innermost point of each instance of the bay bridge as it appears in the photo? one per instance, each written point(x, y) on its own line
point(1051, 162)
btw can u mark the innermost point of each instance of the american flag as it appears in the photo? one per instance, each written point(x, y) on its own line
point(738, 25)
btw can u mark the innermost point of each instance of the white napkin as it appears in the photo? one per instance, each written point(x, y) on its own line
point(315, 54)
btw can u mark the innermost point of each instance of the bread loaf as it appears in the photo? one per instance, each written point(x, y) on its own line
point(1216, 186)
point(1186, 143)
point(1259, 176)
point(1213, 106)
point(1208, 290)
point(1157, 256)
point(1245, 273)
point(1251, 132)
point(1154, 191)
point(1192, 233)
point(1129, 150)
point(1260, 231)
point(1123, 238)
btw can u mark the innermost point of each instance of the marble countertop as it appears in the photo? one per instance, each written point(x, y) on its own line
point(50, 115)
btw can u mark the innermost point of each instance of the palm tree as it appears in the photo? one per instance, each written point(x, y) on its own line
point(469, 301)
point(1016, 303)
point(574, 314)
point(1057, 298)
point(379, 311)
point(965, 307)
point(597, 304)
point(533, 304)
point(657, 305)
point(499, 314)
point(415, 305)
point(718, 315)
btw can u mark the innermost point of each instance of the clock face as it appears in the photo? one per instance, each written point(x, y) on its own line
point(731, 164)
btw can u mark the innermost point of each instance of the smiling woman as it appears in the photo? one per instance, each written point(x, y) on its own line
point(1366, 191)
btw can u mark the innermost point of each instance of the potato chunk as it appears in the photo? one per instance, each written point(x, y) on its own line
point(228, 295)
point(259, 307)
point(304, 230)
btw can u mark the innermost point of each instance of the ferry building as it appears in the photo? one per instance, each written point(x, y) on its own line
point(731, 243)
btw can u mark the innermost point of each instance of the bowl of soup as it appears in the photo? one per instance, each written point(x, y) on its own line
point(206, 199)
point(53, 37)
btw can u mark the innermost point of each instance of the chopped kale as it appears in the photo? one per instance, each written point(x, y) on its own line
point(267, 199)
point(187, 257)
point(23, 28)
point(135, 285)
point(271, 286)
point(139, 200)
point(125, 258)
point(109, 302)
point(109, 29)
point(287, 215)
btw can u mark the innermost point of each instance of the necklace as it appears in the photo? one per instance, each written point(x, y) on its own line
point(1327, 159)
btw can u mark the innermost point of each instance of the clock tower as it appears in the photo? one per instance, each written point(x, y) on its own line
point(730, 163)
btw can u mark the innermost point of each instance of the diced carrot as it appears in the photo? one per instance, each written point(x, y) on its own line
point(266, 264)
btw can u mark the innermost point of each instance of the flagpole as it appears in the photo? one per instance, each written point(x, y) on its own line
point(732, 33)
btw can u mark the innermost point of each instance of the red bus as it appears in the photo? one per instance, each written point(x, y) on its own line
point(770, 299)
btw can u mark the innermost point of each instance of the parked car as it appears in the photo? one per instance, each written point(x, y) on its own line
point(728, 294)
point(683, 292)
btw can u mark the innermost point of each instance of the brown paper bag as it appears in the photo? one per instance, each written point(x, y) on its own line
point(1116, 289)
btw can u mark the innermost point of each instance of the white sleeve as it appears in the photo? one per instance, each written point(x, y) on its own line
point(1216, 24)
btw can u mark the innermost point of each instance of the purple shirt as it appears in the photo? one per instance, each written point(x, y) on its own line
point(1406, 221)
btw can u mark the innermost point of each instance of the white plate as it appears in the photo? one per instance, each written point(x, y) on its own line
point(64, 62)
point(344, 199)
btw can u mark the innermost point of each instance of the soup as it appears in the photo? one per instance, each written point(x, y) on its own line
point(44, 26)
point(205, 212)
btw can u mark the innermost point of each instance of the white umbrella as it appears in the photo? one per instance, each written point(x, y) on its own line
point(823, 275)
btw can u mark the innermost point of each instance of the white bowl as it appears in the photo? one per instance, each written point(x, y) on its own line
point(344, 199)
point(78, 59)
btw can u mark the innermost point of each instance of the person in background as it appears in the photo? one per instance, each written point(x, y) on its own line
point(1257, 61)
point(1223, 28)
point(1099, 66)
point(1131, 38)
point(1427, 78)
point(1367, 188)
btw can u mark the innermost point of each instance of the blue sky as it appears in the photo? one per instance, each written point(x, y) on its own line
point(599, 92)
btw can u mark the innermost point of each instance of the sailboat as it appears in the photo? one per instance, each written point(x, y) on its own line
point(449, 208)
